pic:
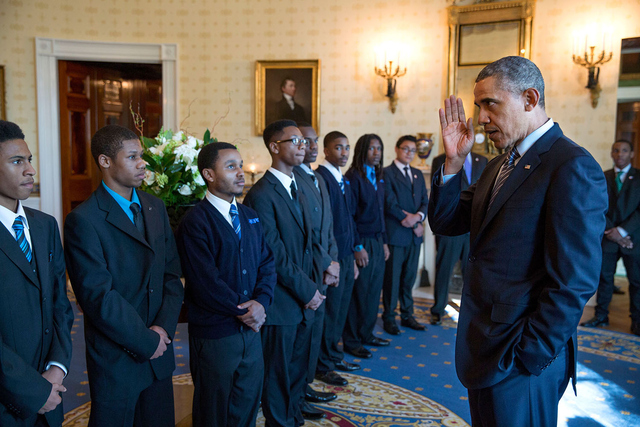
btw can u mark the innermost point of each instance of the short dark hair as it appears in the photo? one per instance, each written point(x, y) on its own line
point(274, 130)
point(360, 155)
point(209, 154)
point(108, 141)
point(285, 80)
point(624, 141)
point(332, 136)
point(516, 74)
point(10, 131)
point(406, 138)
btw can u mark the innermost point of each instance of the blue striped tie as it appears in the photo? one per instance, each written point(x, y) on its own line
point(235, 219)
point(342, 184)
point(505, 171)
point(18, 227)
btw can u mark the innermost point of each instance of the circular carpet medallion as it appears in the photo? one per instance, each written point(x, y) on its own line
point(365, 402)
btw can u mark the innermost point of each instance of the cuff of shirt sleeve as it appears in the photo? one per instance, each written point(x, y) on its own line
point(444, 178)
point(59, 365)
point(622, 232)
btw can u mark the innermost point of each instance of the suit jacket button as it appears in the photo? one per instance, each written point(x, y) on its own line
point(306, 251)
point(46, 331)
point(245, 292)
point(150, 291)
point(472, 258)
point(244, 271)
point(315, 209)
point(241, 250)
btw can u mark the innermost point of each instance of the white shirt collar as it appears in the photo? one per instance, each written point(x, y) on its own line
point(221, 205)
point(624, 170)
point(307, 169)
point(531, 139)
point(289, 100)
point(337, 174)
point(7, 217)
point(284, 179)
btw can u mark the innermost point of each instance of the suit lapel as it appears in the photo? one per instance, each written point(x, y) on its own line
point(400, 177)
point(39, 245)
point(10, 247)
point(117, 217)
point(623, 195)
point(279, 188)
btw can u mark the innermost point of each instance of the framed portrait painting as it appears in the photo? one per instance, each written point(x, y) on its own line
point(287, 90)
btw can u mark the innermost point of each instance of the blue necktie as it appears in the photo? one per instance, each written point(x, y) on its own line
point(467, 168)
point(18, 227)
point(235, 220)
point(342, 185)
point(505, 171)
point(371, 174)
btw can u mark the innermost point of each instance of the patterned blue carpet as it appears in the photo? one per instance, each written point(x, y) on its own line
point(413, 382)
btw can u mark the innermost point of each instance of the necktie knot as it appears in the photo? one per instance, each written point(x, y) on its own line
point(135, 208)
point(21, 238)
point(513, 156)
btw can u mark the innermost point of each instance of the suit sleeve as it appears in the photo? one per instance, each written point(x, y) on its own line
point(23, 390)
point(391, 204)
point(266, 280)
point(631, 224)
point(424, 200)
point(449, 209)
point(290, 276)
point(60, 350)
point(202, 275)
point(575, 217)
point(173, 294)
point(105, 307)
point(354, 195)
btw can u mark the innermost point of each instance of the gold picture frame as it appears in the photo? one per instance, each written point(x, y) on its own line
point(270, 102)
point(3, 108)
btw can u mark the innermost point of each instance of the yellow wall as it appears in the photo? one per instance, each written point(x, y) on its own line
point(219, 41)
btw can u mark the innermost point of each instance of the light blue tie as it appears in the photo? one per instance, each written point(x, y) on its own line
point(371, 174)
point(467, 168)
point(342, 185)
point(18, 227)
point(235, 219)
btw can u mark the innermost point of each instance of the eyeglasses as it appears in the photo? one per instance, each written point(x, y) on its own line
point(408, 150)
point(295, 140)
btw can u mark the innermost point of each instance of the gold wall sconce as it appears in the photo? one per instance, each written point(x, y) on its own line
point(590, 50)
point(387, 66)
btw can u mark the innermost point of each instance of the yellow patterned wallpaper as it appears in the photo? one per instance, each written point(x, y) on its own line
point(219, 41)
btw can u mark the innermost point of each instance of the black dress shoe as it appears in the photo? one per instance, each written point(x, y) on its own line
point(435, 319)
point(310, 412)
point(635, 328)
point(595, 322)
point(617, 290)
point(331, 377)
point(315, 396)
point(345, 366)
point(378, 342)
point(359, 352)
point(411, 322)
point(391, 327)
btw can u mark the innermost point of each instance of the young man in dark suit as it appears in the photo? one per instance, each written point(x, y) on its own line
point(35, 314)
point(367, 189)
point(536, 217)
point(286, 334)
point(230, 276)
point(450, 249)
point(405, 210)
point(326, 270)
point(622, 230)
point(125, 271)
point(336, 151)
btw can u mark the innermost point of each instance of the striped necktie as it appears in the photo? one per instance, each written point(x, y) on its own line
point(21, 238)
point(342, 184)
point(505, 171)
point(235, 220)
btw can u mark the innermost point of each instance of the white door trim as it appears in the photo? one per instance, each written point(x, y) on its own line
point(48, 52)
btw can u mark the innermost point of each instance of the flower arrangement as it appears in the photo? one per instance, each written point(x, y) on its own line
point(172, 167)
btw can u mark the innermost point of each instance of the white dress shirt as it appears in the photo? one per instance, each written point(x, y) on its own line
point(223, 206)
point(337, 174)
point(284, 179)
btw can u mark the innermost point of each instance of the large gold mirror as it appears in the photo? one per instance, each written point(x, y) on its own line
point(478, 35)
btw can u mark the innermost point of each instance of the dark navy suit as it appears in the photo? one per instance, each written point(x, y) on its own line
point(222, 272)
point(534, 262)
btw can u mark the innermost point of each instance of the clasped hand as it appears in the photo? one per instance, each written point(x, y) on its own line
point(55, 376)
point(255, 315)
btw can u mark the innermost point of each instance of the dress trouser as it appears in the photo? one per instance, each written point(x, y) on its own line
point(365, 299)
point(450, 249)
point(227, 376)
point(605, 286)
point(337, 307)
point(400, 274)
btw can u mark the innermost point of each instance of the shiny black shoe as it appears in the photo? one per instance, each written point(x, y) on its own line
point(411, 322)
point(345, 366)
point(617, 290)
point(435, 319)
point(332, 378)
point(315, 396)
point(310, 412)
point(391, 327)
point(359, 352)
point(596, 322)
point(378, 342)
point(635, 328)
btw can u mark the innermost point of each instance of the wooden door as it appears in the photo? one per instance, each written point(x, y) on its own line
point(93, 95)
point(628, 127)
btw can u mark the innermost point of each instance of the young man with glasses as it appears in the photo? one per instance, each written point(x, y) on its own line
point(285, 217)
point(405, 210)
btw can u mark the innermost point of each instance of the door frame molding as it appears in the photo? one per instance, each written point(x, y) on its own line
point(48, 52)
